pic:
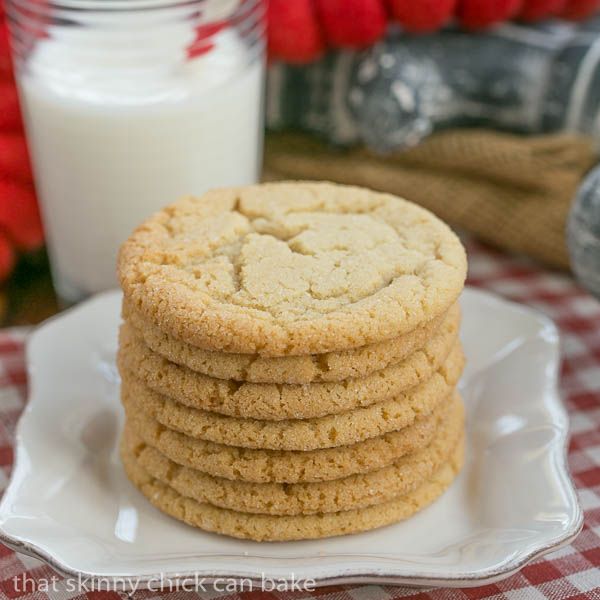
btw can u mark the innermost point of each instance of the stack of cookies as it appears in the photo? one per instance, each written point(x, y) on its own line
point(289, 357)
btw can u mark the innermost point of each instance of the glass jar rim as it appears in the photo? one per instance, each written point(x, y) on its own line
point(107, 5)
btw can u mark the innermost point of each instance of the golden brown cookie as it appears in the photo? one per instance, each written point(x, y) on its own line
point(269, 401)
point(291, 268)
point(308, 368)
point(262, 466)
point(355, 491)
point(261, 527)
point(298, 434)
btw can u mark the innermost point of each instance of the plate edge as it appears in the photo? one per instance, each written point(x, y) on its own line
point(486, 576)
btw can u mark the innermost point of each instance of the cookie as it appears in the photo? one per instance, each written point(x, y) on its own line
point(308, 368)
point(269, 401)
point(261, 527)
point(262, 466)
point(355, 491)
point(298, 434)
point(291, 268)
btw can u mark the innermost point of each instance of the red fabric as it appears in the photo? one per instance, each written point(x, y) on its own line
point(14, 157)
point(534, 10)
point(7, 254)
point(352, 23)
point(479, 14)
point(569, 574)
point(19, 215)
point(294, 33)
point(20, 223)
point(423, 16)
point(300, 30)
point(578, 10)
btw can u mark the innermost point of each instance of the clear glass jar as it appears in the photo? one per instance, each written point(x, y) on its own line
point(128, 105)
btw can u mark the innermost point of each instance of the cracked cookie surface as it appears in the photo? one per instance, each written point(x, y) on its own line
point(355, 491)
point(291, 268)
point(261, 466)
point(271, 401)
point(298, 434)
point(261, 527)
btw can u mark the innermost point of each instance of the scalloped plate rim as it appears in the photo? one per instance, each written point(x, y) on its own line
point(357, 576)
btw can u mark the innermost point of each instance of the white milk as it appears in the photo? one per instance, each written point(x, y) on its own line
point(113, 141)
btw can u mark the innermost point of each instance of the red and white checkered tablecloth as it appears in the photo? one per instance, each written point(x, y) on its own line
point(572, 573)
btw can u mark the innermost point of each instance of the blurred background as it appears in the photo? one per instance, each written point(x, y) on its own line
point(485, 111)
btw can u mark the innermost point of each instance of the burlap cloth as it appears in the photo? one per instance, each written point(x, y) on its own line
point(512, 191)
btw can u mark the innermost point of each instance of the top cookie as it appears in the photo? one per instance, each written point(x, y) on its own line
point(291, 268)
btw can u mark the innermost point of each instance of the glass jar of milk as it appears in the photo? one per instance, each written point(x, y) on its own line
point(128, 105)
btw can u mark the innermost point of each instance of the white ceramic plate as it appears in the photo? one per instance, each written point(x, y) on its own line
point(70, 504)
